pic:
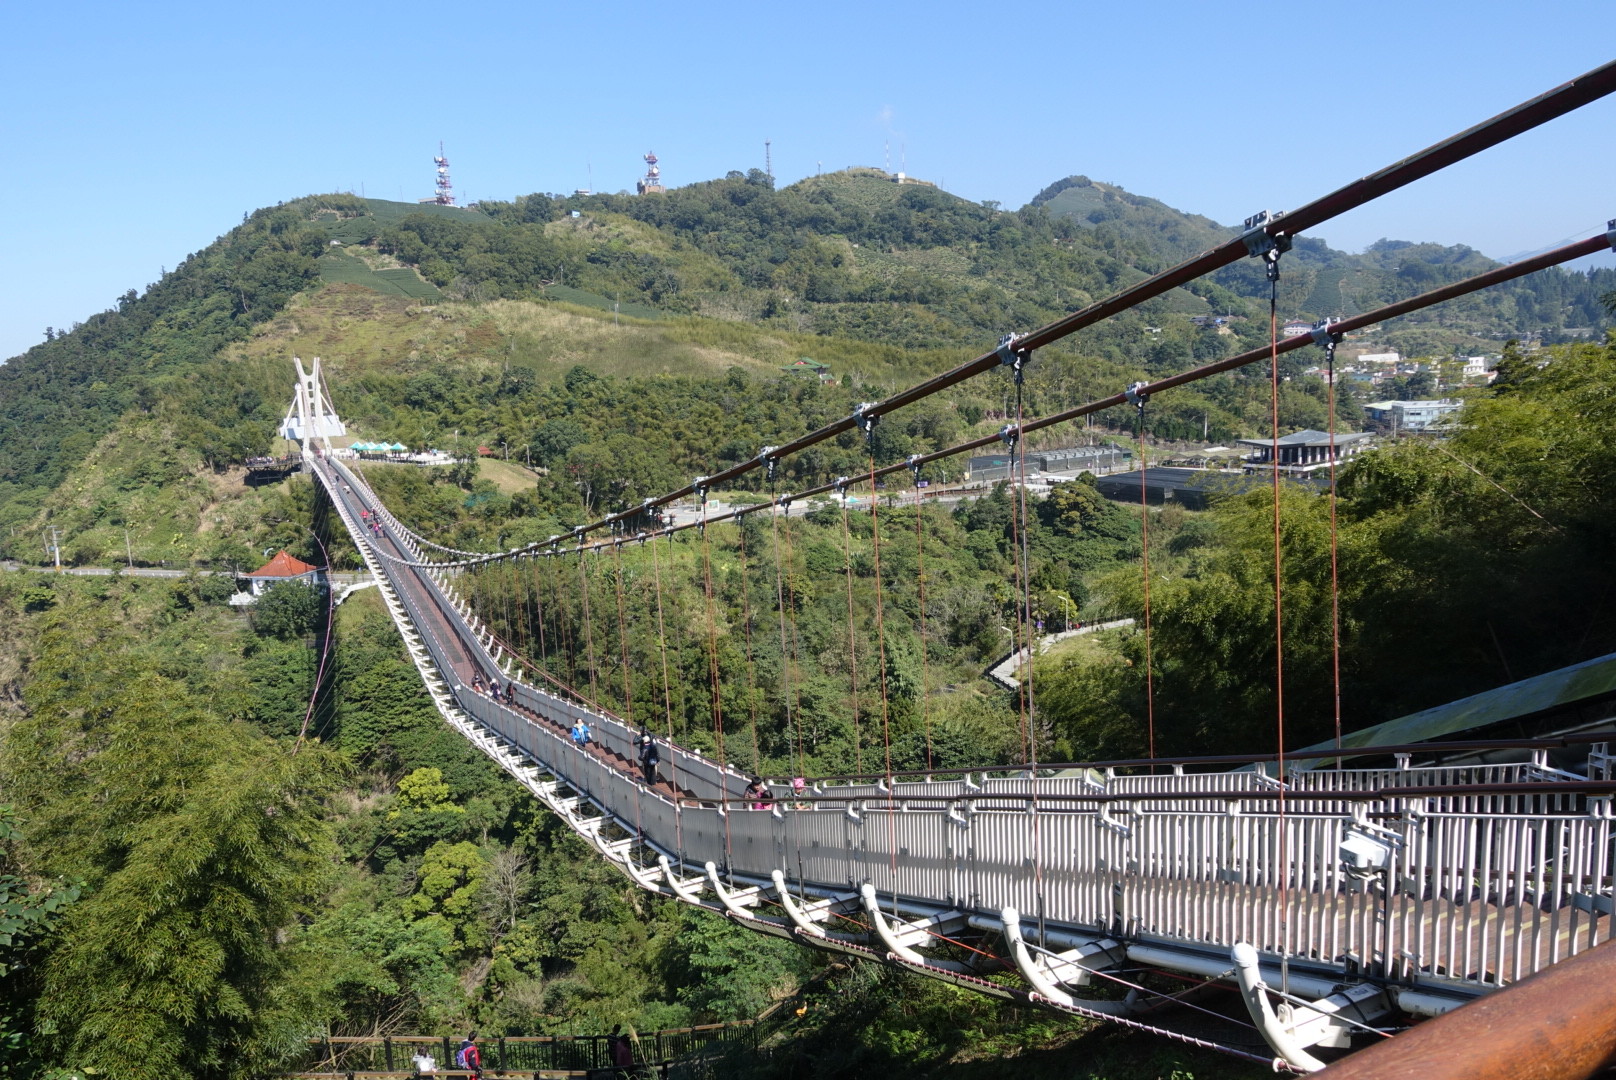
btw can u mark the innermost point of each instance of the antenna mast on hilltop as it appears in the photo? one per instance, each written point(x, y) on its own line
point(651, 182)
point(445, 189)
point(768, 159)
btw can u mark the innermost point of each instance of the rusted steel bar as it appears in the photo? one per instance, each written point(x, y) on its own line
point(1559, 1024)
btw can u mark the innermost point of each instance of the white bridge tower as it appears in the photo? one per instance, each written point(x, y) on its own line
point(311, 415)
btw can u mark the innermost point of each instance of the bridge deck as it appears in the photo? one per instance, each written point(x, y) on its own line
point(1470, 891)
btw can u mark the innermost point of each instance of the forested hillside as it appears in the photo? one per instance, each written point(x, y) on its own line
point(226, 833)
point(1320, 282)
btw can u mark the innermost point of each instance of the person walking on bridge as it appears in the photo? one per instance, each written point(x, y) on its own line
point(580, 732)
point(650, 757)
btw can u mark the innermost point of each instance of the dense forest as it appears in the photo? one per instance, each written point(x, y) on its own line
point(224, 834)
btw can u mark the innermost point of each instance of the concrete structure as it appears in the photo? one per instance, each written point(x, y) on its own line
point(1068, 461)
point(1303, 452)
point(1399, 416)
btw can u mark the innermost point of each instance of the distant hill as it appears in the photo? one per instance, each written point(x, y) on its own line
point(1318, 281)
point(1172, 235)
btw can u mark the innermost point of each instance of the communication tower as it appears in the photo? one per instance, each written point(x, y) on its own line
point(445, 189)
point(651, 182)
point(768, 159)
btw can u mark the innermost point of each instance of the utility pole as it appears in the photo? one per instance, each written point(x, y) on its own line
point(127, 550)
point(56, 547)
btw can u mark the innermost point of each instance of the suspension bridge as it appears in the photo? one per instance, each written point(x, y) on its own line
point(1342, 900)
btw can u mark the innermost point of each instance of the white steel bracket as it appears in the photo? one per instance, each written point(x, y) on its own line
point(1074, 967)
point(1291, 1029)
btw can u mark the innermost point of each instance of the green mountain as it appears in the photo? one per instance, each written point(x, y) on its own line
point(1317, 281)
point(232, 834)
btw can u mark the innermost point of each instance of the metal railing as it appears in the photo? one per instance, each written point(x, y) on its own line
point(340, 1055)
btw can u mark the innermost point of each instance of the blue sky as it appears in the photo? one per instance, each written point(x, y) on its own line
point(136, 134)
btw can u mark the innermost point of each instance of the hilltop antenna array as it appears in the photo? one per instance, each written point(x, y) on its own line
point(444, 188)
point(651, 182)
point(768, 160)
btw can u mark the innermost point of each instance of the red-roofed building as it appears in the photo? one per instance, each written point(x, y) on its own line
point(282, 567)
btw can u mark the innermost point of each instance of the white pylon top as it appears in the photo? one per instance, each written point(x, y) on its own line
point(311, 415)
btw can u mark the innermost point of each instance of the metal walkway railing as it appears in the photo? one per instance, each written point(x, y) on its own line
point(1355, 893)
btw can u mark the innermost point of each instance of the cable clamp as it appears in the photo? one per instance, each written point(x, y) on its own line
point(1012, 357)
point(767, 459)
point(866, 419)
point(1323, 335)
point(840, 484)
point(784, 503)
point(1265, 245)
point(913, 461)
point(1259, 241)
point(1009, 435)
point(701, 487)
point(1136, 394)
point(1610, 233)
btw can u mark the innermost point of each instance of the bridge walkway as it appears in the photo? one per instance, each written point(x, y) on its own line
point(470, 663)
point(1473, 877)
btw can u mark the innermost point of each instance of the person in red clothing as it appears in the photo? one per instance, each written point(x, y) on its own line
point(470, 1058)
point(620, 1050)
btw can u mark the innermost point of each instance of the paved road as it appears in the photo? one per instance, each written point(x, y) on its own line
point(1004, 672)
point(341, 577)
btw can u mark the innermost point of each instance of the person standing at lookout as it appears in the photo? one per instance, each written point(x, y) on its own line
point(470, 1058)
point(620, 1050)
point(650, 757)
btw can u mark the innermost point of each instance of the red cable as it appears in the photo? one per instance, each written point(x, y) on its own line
point(589, 629)
point(881, 676)
point(1279, 627)
point(920, 579)
point(852, 653)
point(751, 667)
point(539, 608)
point(712, 644)
point(622, 637)
point(662, 647)
point(790, 612)
point(1335, 578)
point(1025, 557)
point(1144, 533)
point(1021, 624)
